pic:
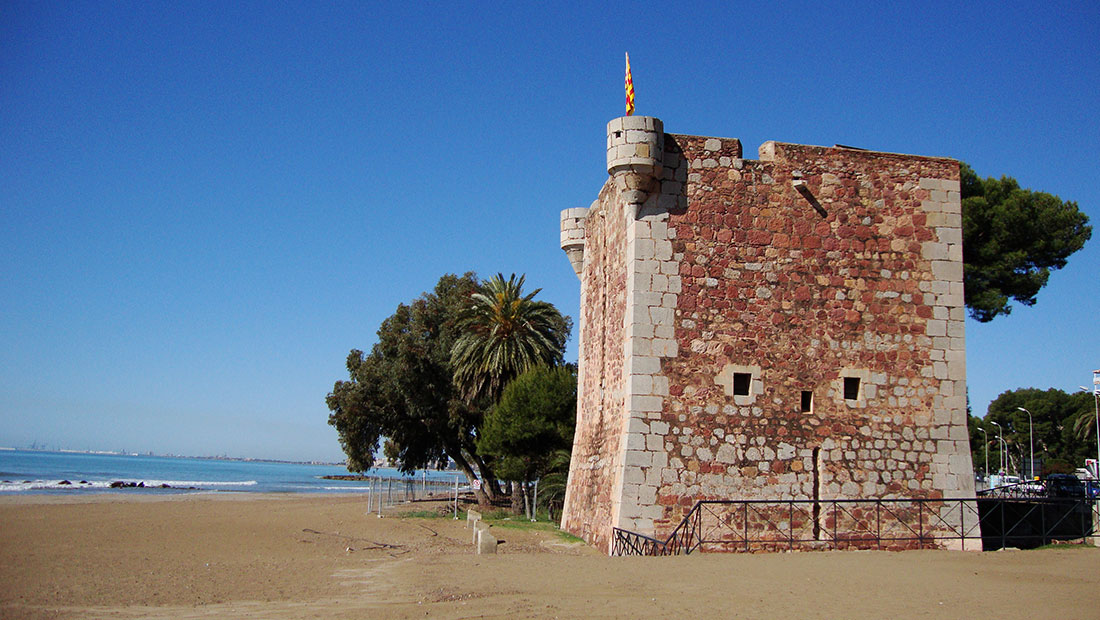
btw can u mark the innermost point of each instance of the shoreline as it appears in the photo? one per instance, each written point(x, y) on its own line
point(293, 555)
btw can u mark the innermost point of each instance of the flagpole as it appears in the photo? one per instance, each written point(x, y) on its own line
point(629, 85)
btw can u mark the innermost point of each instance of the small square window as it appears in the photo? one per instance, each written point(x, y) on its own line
point(807, 401)
point(742, 381)
point(851, 388)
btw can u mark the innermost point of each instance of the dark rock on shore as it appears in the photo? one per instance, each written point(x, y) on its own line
point(64, 482)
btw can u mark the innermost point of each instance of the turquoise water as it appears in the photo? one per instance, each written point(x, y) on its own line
point(25, 471)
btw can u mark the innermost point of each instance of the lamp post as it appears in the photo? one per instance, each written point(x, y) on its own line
point(1031, 442)
point(985, 437)
point(1096, 403)
point(1000, 461)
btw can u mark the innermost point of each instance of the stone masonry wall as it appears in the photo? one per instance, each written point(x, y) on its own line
point(594, 469)
point(744, 293)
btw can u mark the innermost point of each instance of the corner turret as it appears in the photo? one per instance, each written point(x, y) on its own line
point(572, 236)
point(635, 145)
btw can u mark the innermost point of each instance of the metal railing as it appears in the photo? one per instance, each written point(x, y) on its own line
point(893, 524)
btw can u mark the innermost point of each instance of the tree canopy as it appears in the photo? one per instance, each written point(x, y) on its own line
point(403, 390)
point(1012, 239)
point(1053, 415)
point(533, 420)
point(505, 332)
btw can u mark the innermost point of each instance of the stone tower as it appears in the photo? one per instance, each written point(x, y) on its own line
point(786, 327)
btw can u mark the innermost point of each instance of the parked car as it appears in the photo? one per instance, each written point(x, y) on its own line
point(1064, 485)
point(1092, 487)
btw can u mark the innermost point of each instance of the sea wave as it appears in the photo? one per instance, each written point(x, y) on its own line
point(35, 485)
point(202, 483)
point(69, 485)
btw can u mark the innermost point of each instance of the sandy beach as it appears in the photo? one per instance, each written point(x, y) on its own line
point(226, 555)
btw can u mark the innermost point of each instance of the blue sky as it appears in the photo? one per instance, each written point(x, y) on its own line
point(205, 205)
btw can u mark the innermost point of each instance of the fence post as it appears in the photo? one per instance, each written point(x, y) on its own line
point(920, 524)
point(745, 512)
point(878, 523)
point(790, 525)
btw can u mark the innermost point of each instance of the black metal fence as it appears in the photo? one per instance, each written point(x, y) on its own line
point(893, 524)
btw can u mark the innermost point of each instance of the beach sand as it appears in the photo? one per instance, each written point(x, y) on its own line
point(228, 556)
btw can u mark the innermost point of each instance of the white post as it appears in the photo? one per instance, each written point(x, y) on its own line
point(1031, 444)
point(1001, 460)
point(456, 497)
point(985, 445)
point(379, 480)
point(1096, 404)
point(535, 503)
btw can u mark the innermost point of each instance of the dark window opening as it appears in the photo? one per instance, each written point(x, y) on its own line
point(851, 388)
point(741, 383)
point(807, 401)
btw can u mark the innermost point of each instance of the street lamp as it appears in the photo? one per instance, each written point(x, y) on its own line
point(1000, 461)
point(985, 437)
point(1096, 403)
point(1007, 456)
point(1031, 441)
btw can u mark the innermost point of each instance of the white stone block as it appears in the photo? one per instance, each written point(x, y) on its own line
point(641, 330)
point(662, 316)
point(660, 385)
point(646, 403)
point(950, 271)
point(658, 282)
point(641, 384)
point(633, 475)
point(935, 327)
point(654, 443)
point(933, 250)
point(947, 234)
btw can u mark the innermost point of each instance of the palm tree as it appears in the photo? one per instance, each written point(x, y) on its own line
point(503, 333)
point(1083, 425)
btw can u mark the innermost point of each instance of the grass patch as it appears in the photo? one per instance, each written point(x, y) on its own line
point(1067, 545)
point(505, 519)
point(420, 514)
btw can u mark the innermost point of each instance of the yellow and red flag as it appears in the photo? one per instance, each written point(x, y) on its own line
point(629, 88)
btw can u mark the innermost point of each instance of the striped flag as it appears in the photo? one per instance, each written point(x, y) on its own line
point(629, 88)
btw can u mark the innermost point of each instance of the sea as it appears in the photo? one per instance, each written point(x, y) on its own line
point(78, 473)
